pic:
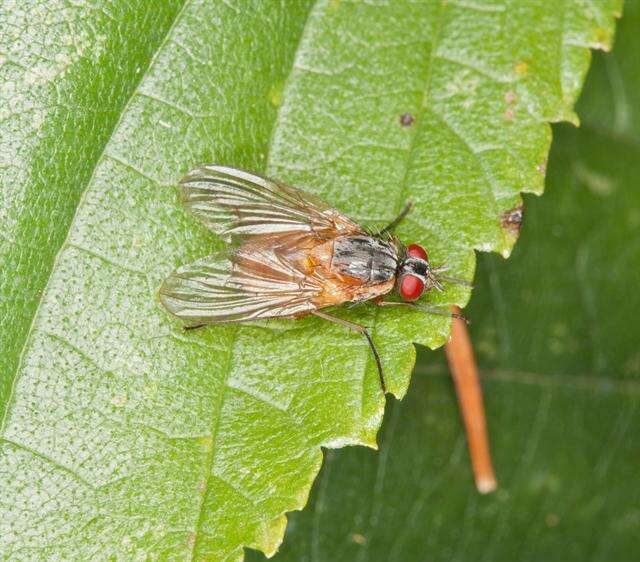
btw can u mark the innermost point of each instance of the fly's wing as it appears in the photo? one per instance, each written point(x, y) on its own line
point(254, 282)
point(234, 202)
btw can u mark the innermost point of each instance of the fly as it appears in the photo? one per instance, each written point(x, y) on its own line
point(289, 255)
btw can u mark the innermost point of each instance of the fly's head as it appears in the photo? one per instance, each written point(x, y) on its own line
point(415, 275)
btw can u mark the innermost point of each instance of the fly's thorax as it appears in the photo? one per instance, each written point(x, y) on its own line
point(368, 259)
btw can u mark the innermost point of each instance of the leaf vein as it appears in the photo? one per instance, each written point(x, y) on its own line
point(108, 138)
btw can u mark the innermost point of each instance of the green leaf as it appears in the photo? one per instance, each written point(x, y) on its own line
point(123, 437)
point(556, 333)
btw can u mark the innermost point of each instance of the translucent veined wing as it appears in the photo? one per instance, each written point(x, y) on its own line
point(257, 281)
point(235, 202)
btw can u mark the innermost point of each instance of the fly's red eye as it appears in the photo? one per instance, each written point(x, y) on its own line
point(411, 287)
point(415, 251)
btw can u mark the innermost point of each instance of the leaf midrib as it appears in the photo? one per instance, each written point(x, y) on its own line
point(100, 156)
point(422, 108)
point(372, 522)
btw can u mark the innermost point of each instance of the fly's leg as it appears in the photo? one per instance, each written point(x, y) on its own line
point(361, 330)
point(395, 222)
point(425, 308)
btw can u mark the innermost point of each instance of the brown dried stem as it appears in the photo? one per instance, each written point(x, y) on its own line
point(463, 368)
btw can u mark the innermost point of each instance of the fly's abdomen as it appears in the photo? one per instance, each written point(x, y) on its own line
point(371, 260)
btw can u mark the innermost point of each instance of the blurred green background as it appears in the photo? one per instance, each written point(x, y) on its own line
point(556, 333)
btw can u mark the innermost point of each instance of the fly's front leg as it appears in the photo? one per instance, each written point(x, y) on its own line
point(395, 222)
point(361, 330)
point(424, 307)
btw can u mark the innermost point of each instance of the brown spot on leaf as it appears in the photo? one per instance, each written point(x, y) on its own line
point(509, 114)
point(510, 97)
point(406, 119)
point(511, 220)
point(521, 68)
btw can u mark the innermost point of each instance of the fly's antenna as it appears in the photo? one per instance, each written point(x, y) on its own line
point(435, 276)
point(447, 278)
point(435, 282)
point(455, 280)
point(436, 271)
